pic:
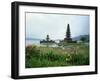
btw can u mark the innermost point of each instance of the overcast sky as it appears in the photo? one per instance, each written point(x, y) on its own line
point(38, 25)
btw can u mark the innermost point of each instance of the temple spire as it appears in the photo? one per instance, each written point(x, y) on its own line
point(68, 34)
point(47, 38)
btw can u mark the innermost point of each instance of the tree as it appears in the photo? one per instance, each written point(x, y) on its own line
point(83, 39)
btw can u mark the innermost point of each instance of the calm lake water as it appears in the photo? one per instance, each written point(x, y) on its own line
point(30, 42)
point(37, 42)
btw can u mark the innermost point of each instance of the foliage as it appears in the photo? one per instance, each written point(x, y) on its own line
point(83, 39)
point(49, 56)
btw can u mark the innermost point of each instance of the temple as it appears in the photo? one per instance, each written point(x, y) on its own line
point(47, 40)
point(68, 34)
point(67, 38)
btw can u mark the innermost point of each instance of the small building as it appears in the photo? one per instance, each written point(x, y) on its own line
point(47, 40)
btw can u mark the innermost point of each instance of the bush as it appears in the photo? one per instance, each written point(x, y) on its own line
point(78, 59)
point(47, 57)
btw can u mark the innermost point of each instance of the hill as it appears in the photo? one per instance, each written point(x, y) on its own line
point(79, 37)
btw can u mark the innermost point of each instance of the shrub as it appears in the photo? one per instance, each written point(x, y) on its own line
point(47, 57)
point(79, 59)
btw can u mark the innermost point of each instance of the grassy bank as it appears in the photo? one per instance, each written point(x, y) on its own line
point(49, 57)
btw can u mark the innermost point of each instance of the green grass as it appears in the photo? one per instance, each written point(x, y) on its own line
point(51, 57)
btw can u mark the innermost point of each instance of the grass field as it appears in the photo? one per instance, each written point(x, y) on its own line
point(74, 55)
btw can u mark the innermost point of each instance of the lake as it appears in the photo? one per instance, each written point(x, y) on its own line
point(30, 42)
point(37, 43)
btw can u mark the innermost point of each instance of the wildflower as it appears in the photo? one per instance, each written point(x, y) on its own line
point(67, 59)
